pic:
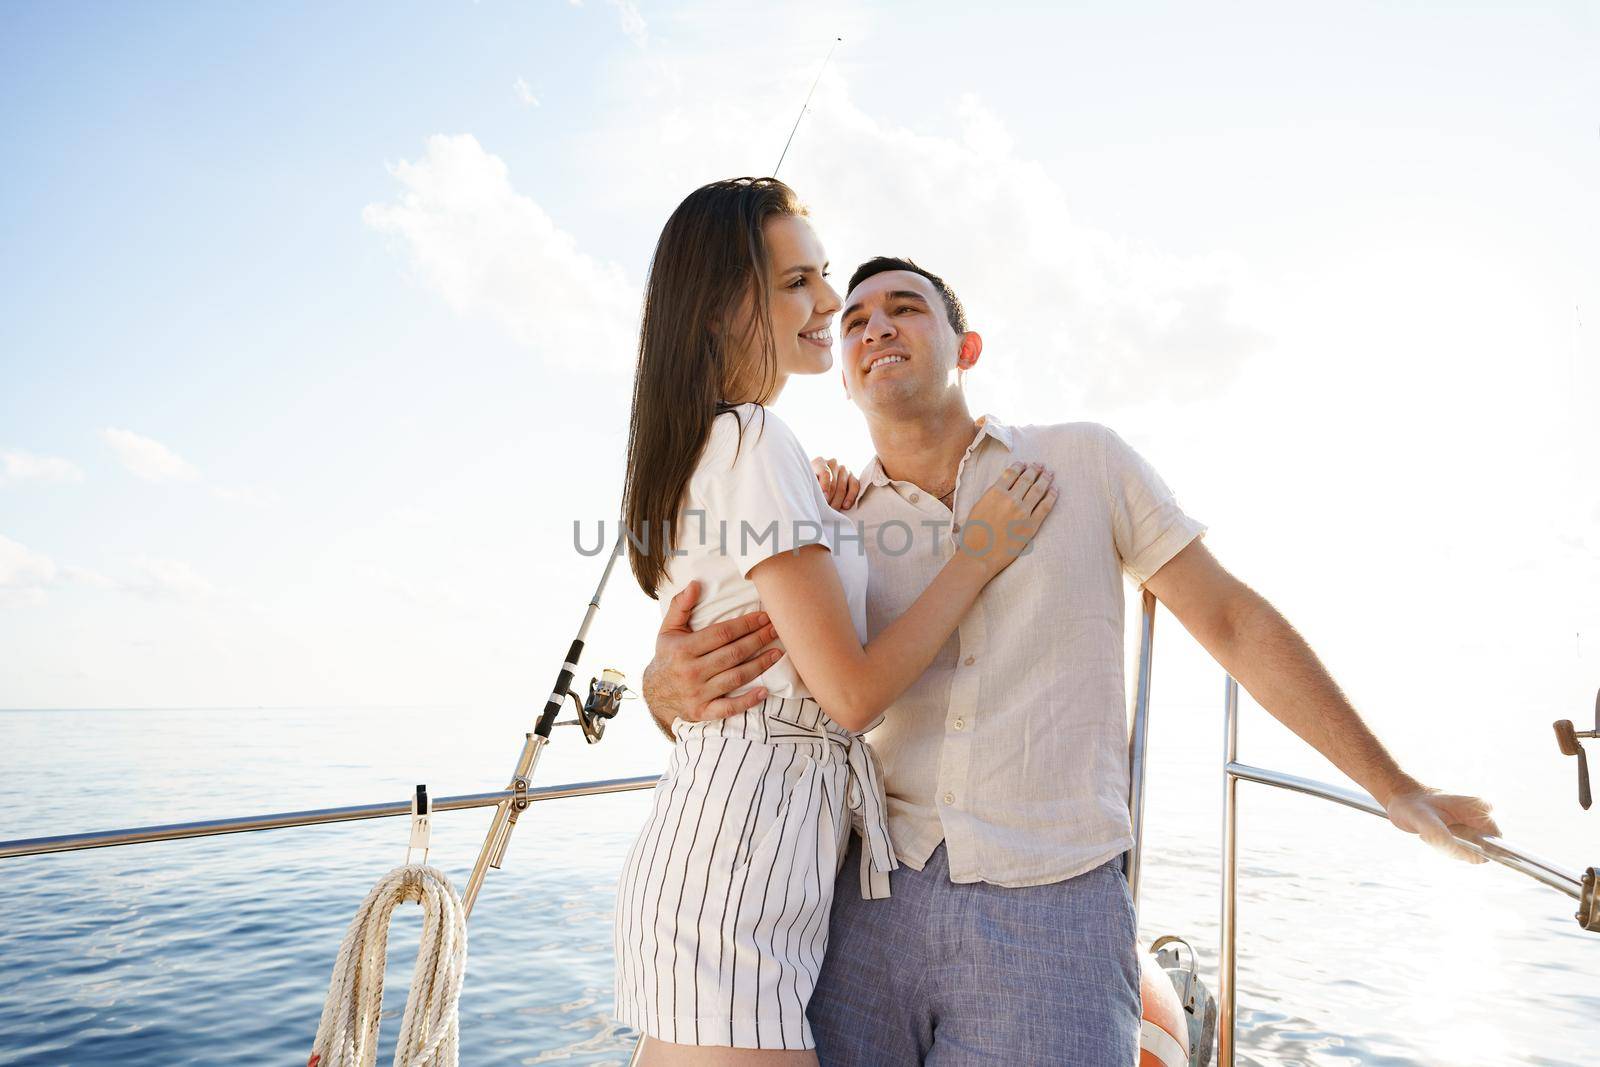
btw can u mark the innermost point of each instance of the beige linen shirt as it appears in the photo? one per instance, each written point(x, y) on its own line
point(1012, 747)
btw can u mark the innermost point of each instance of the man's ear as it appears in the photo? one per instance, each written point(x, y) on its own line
point(843, 380)
point(971, 348)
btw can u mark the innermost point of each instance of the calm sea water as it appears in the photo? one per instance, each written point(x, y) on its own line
point(1358, 946)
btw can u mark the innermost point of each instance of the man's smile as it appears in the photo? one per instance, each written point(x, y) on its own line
point(884, 359)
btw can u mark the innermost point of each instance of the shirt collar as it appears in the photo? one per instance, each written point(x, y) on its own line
point(988, 426)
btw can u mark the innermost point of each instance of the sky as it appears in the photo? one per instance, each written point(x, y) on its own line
point(316, 322)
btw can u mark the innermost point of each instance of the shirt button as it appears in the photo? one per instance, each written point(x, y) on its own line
point(961, 724)
point(916, 497)
point(971, 660)
point(949, 798)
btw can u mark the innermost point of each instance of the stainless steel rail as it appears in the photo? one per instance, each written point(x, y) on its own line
point(1586, 889)
point(1546, 873)
point(1137, 741)
point(214, 827)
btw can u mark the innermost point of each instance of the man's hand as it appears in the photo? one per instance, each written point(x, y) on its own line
point(1269, 658)
point(1429, 813)
point(838, 484)
point(693, 669)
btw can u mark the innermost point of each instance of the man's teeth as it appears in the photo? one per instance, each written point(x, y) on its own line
point(824, 335)
point(883, 360)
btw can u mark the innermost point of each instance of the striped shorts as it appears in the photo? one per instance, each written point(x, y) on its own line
point(722, 907)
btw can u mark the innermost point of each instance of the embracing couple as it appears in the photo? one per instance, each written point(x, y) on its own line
point(952, 892)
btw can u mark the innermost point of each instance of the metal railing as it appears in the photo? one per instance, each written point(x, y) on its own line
point(1582, 889)
point(137, 835)
point(1586, 890)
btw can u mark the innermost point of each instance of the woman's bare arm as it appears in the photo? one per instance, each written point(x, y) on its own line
point(854, 684)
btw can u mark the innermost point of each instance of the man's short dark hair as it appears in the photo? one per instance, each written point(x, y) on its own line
point(952, 303)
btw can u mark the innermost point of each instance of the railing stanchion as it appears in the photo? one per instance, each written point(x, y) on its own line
point(1227, 962)
point(1138, 741)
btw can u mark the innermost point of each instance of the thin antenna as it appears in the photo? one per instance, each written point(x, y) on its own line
point(806, 106)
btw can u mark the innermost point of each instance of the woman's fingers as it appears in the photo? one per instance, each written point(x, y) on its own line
point(824, 473)
point(838, 484)
point(840, 488)
point(1025, 480)
point(1008, 477)
point(841, 484)
point(852, 494)
point(1009, 513)
point(1036, 491)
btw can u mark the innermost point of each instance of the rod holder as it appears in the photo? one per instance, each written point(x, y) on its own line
point(1589, 900)
point(1570, 740)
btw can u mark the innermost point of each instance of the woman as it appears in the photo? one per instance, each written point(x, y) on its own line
point(722, 908)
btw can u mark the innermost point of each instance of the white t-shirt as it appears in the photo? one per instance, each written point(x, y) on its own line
point(746, 502)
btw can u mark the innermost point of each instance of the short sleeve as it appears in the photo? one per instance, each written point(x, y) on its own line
point(765, 499)
point(1147, 523)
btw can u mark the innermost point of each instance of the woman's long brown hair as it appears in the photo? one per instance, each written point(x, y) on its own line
point(708, 275)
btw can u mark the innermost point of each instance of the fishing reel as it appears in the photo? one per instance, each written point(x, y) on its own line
point(1571, 742)
point(606, 694)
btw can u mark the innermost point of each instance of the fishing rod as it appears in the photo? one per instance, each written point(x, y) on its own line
point(606, 692)
point(805, 106)
point(604, 701)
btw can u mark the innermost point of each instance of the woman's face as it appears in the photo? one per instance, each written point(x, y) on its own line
point(803, 304)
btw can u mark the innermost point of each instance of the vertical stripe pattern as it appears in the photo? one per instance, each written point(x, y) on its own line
point(722, 905)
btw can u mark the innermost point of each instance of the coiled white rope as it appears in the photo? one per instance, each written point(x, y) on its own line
point(347, 1036)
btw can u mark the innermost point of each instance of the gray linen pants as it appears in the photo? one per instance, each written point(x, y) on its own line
point(946, 974)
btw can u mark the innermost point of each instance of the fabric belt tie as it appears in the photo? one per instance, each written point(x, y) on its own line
point(801, 719)
point(869, 816)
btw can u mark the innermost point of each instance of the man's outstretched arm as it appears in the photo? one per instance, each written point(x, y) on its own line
point(1266, 655)
point(692, 669)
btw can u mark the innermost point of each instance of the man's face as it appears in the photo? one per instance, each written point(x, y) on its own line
point(899, 349)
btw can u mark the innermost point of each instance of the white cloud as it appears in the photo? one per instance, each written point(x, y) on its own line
point(24, 573)
point(525, 93)
point(631, 21)
point(148, 459)
point(429, 595)
point(490, 250)
point(246, 496)
point(168, 579)
point(85, 576)
point(414, 515)
point(1069, 311)
point(1066, 308)
point(18, 466)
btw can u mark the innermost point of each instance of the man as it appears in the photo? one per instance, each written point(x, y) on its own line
point(1009, 935)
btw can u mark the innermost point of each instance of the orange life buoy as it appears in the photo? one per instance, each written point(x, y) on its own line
point(1164, 1030)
